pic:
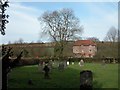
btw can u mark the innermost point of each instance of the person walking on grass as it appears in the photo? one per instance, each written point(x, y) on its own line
point(46, 69)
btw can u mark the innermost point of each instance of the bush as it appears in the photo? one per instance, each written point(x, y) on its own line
point(29, 61)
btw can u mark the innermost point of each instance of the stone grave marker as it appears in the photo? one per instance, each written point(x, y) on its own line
point(65, 64)
point(50, 64)
point(86, 79)
point(103, 63)
point(68, 62)
point(40, 67)
point(114, 61)
point(61, 66)
point(81, 62)
point(72, 63)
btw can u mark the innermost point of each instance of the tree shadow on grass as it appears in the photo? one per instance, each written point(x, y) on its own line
point(97, 85)
point(68, 78)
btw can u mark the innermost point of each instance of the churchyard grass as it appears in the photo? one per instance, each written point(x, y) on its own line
point(103, 76)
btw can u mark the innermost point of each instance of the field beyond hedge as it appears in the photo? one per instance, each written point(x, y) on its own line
point(103, 76)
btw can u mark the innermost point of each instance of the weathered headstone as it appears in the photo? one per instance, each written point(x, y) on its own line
point(114, 61)
point(50, 65)
point(81, 62)
point(72, 63)
point(65, 64)
point(68, 62)
point(43, 64)
point(103, 62)
point(53, 63)
point(86, 79)
point(61, 66)
point(40, 67)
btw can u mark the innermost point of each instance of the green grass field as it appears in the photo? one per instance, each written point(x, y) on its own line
point(103, 76)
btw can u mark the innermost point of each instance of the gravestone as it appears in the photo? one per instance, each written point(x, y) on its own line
point(43, 65)
point(50, 65)
point(72, 63)
point(114, 61)
point(53, 63)
point(86, 79)
point(40, 67)
point(61, 66)
point(68, 62)
point(65, 64)
point(81, 62)
point(103, 62)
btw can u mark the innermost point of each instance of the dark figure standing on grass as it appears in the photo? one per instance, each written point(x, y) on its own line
point(46, 69)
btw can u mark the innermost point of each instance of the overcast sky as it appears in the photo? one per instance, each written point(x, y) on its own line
point(96, 18)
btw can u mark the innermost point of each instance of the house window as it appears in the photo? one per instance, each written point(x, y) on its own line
point(82, 51)
point(89, 50)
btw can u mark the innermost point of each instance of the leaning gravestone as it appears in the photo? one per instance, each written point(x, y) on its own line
point(86, 79)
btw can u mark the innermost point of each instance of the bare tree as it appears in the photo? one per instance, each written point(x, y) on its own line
point(112, 35)
point(20, 41)
point(61, 25)
point(95, 39)
point(9, 42)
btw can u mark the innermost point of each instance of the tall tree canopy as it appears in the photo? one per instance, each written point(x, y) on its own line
point(95, 39)
point(61, 25)
point(112, 35)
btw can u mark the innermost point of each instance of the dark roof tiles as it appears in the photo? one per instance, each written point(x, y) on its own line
point(84, 42)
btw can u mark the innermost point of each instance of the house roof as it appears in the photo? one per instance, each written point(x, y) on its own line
point(84, 42)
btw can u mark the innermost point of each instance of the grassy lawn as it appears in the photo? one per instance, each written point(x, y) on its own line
point(103, 77)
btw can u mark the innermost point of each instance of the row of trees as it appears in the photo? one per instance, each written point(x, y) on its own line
point(62, 25)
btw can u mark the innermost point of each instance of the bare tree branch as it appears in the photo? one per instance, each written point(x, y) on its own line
point(112, 35)
point(61, 25)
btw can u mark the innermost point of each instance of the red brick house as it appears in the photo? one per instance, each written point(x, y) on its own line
point(84, 48)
